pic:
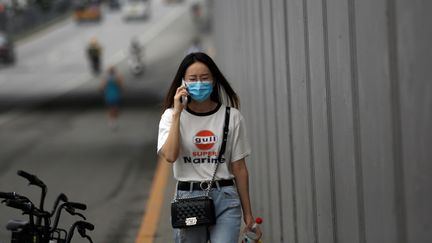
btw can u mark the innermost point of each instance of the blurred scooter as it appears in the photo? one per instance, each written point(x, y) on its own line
point(135, 62)
point(136, 65)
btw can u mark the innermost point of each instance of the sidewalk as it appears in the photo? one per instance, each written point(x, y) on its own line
point(164, 232)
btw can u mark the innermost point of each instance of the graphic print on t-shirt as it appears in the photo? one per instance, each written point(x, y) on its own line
point(204, 141)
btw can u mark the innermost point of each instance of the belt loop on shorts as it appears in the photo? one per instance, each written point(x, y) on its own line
point(176, 191)
point(191, 186)
point(217, 185)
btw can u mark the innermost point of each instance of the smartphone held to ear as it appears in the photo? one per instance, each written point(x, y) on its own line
point(185, 99)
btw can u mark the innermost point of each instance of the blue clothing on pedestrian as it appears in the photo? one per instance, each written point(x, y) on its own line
point(112, 91)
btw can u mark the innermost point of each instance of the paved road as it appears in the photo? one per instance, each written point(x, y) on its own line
point(67, 143)
point(54, 61)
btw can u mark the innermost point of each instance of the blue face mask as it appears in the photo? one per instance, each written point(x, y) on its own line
point(200, 90)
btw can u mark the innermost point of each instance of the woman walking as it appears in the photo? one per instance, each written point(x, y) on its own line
point(190, 137)
point(111, 87)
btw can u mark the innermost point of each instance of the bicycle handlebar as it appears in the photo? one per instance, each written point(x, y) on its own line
point(7, 195)
point(45, 228)
point(70, 205)
point(34, 180)
point(71, 211)
point(82, 226)
point(24, 206)
point(85, 225)
point(76, 205)
point(12, 195)
point(61, 197)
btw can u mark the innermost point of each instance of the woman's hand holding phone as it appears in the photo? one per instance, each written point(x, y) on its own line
point(184, 100)
point(181, 98)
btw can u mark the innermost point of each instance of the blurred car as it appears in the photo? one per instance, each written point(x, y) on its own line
point(87, 10)
point(7, 53)
point(114, 4)
point(173, 1)
point(61, 6)
point(136, 9)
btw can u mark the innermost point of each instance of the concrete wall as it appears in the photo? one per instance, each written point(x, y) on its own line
point(337, 95)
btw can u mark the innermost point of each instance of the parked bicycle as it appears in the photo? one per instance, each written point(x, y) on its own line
point(42, 226)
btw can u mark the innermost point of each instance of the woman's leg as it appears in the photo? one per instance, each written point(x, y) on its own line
point(191, 235)
point(228, 213)
point(114, 112)
point(198, 234)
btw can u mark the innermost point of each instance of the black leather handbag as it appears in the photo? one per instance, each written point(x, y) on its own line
point(196, 211)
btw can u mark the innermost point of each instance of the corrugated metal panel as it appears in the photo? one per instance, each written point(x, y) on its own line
point(376, 140)
point(300, 117)
point(343, 133)
point(415, 88)
point(283, 142)
point(337, 98)
point(321, 127)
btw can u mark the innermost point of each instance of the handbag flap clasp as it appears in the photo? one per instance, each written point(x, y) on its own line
point(191, 221)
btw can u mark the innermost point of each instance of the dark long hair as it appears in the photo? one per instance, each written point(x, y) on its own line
point(220, 82)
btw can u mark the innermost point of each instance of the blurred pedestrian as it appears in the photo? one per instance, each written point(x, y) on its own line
point(191, 137)
point(111, 87)
point(94, 54)
point(196, 12)
point(136, 48)
point(196, 46)
point(136, 63)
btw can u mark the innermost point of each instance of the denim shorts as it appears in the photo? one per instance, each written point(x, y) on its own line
point(228, 218)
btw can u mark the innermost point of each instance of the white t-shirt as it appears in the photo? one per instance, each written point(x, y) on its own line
point(201, 138)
